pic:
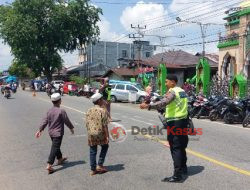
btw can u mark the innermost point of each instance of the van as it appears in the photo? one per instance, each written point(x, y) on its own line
point(121, 91)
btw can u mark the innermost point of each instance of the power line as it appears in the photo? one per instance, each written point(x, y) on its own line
point(175, 13)
point(127, 3)
point(173, 23)
point(194, 8)
point(198, 43)
point(185, 10)
point(211, 13)
point(241, 26)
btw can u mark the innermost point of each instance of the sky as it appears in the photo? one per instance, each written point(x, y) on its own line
point(159, 17)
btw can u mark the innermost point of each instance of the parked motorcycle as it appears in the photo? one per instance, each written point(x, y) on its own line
point(246, 121)
point(207, 106)
point(236, 111)
point(218, 111)
point(195, 105)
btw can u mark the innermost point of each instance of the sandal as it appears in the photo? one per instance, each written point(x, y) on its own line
point(92, 173)
point(61, 161)
point(101, 169)
point(50, 170)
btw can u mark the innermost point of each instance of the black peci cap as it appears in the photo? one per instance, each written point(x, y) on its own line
point(172, 77)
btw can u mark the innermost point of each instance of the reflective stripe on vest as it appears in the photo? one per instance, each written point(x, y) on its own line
point(178, 108)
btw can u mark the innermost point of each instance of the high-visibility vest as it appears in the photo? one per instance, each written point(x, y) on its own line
point(108, 91)
point(178, 108)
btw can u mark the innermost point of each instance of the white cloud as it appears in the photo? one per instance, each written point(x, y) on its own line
point(5, 56)
point(70, 58)
point(150, 14)
point(107, 35)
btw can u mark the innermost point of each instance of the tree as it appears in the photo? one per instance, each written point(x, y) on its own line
point(37, 30)
point(20, 70)
point(78, 80)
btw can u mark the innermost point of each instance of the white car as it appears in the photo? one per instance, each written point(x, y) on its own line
point(121, 92)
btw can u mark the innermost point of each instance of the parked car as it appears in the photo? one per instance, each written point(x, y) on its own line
point(120, 91)
point(69, 86)
point(57, 83)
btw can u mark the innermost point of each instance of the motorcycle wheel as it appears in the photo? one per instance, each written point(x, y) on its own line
point(246, 122)
point(194, 111)
point(213, 116)
point(200, 113)
point(227, 119)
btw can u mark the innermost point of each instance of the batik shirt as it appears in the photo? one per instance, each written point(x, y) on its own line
point(96, 122)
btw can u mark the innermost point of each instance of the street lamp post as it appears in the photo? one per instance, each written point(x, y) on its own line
point(202, 27)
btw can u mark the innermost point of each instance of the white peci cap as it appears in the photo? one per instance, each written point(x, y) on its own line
point(96, 97)
point(55, 97)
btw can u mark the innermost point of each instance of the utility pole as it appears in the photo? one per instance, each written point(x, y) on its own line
point(137, 36)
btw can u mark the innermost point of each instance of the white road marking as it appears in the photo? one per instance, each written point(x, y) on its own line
point(152, 120)
point(141, 121)
point(120, 125)
point(74, 136)
point(138, 117)
point(117, 124)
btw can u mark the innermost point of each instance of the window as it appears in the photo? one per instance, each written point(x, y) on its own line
point(112, 86)
point(124, 53)
point(139, 87)
point(131, 88)
point(147, 54)
point(120, 87)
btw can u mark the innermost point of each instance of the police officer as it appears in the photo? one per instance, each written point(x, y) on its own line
point(176, 113)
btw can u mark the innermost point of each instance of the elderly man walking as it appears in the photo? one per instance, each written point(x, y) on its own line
point(97, 127)
point(55, 119)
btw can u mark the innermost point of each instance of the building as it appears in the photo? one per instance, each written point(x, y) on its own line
point(180, 63)
point(234, 48)
point(122, 74)
point(111, 54)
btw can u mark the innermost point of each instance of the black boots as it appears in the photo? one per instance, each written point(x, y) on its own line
point(173, 179)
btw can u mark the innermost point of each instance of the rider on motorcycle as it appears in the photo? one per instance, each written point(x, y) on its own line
point(7, 89)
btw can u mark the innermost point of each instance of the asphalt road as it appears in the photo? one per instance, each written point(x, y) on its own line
point(218, 159)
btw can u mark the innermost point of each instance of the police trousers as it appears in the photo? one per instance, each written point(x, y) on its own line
point(178, 144)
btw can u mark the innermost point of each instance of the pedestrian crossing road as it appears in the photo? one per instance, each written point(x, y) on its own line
point(218, 159)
